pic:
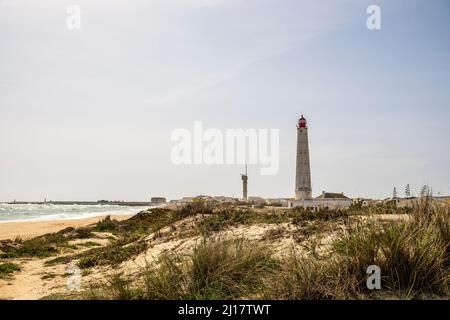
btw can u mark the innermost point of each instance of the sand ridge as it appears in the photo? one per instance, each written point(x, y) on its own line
point(30, 229)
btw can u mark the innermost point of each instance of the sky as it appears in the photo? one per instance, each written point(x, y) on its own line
point(88, 114)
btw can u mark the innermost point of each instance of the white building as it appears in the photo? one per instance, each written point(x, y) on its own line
point(327, 200)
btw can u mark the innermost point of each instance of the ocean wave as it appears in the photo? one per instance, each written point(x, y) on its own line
point(49, 212)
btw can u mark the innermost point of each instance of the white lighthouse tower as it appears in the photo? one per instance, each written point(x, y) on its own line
point(303, 171)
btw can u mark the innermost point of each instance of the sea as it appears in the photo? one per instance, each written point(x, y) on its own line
point(49, 212)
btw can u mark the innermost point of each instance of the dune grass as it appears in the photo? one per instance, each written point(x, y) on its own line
point(307, 278)
point(216, 269)
point(413, 255)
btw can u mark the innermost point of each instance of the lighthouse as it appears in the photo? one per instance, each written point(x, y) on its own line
point(303, 171)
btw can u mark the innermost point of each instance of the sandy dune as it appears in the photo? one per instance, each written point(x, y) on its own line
point(29, 229)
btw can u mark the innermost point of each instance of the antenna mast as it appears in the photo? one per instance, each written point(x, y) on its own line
point(244, 184)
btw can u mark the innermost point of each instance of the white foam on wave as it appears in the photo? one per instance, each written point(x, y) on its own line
point(49, 212)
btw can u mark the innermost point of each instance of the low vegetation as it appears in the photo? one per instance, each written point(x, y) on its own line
point(46, 245)
point(112, 254)
point(412, 249)
point(233, 217)
point(216, 269)
point(48, 275)
point(413, 255)
point(308, 278)
point(7, 269)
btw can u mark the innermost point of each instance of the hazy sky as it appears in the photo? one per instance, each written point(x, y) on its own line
point(88, 114)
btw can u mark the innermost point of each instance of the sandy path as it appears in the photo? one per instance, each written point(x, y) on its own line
point(27, 284)
point(29, 229)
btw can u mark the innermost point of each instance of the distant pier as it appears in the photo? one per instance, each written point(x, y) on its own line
point(87, 203)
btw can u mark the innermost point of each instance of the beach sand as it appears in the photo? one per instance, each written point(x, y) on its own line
point(30, 229)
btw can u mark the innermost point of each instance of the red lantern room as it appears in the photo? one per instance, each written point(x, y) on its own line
point(302, 122)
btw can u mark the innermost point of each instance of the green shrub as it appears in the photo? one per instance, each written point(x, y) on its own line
point(40, 247)
point(107, 225)
point(225, 218)
point(299, 215)
point(6, 269)
point(233, 217)
point(113, 254)
point(83, 233)
point(45, 245)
